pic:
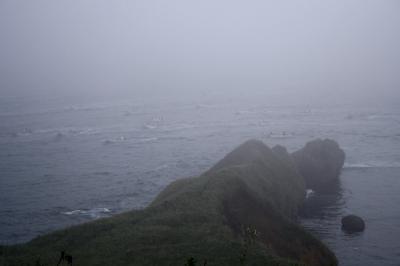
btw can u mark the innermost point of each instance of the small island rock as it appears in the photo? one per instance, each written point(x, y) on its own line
point(353, 223)
point(320, 163)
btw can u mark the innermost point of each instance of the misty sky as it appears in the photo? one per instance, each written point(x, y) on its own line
point(339, 49)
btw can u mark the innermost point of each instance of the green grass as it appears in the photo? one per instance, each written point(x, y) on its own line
point(200, 218)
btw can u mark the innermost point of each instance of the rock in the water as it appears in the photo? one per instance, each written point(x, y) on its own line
point(320, 163)
point(353, 223)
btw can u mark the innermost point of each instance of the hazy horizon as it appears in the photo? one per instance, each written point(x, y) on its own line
point(307, 51)
point(106, 105)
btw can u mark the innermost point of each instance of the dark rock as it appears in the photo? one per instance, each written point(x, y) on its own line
point(249, 152)
point(353, 223)
point(278, 180)
point(320, 163)
point(281, 152)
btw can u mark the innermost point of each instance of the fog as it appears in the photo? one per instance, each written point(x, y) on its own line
point(104, 104)
point(309, 51)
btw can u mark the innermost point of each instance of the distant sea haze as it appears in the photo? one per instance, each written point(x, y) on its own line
point(64, 164)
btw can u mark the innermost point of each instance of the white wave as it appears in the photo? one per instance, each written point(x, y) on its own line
point(72, 212)
point(112, 141)
point(178, 127)
point(60, 110)
point(203, 106)
point(282, 135)
point(92, 213)
point(374, 116)
point(149, 126)
point(244, 112)
point(372, 165)
point(24, 132)
point(356, 165)
point(146, 140)
point(309, 193)
point(157, 119)
point(89, 107)
point(56, 131)
point(162, 167)
point(87, 131)
point(172, 138)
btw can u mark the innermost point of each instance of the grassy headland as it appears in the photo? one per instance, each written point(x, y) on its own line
point(253, 189)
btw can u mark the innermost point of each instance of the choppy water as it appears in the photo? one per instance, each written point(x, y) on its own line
point(372, 193)
point(63, 164)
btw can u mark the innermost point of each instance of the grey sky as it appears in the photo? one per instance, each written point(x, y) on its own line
point(326, 48)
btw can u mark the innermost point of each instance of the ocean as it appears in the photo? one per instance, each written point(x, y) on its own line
point(67, 163)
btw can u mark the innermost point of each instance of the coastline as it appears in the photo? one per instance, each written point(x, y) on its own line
point(204, 218)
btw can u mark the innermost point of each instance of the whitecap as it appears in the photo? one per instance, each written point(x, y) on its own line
point(112, 141)
point(244, 112)
point(203, 106)
point(309, 193)
point(372, 165)
point(356, 165)
point(282, 135)
point(374, 116)
point(149, 126)
point(92, 213)
point(162, 167)
point(72, 212)
point(147, 140)
point(25, 132)
point(158, 119)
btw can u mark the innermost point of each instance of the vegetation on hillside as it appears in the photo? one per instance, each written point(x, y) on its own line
point(240, 212)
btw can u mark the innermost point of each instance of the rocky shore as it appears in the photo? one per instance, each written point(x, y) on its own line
point(242, 211)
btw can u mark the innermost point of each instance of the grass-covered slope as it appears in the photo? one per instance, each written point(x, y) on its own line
point(206, 218)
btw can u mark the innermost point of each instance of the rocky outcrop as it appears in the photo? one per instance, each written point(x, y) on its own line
point(320, 163)
point(277, 180)
point(353, 223)
point(206, 218)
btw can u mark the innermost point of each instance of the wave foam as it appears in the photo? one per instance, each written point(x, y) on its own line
point(112, 141)
point(372, 165)
point(309, 193)
point(92, 213)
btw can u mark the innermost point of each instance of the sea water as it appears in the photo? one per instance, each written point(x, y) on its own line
point(66, 163)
